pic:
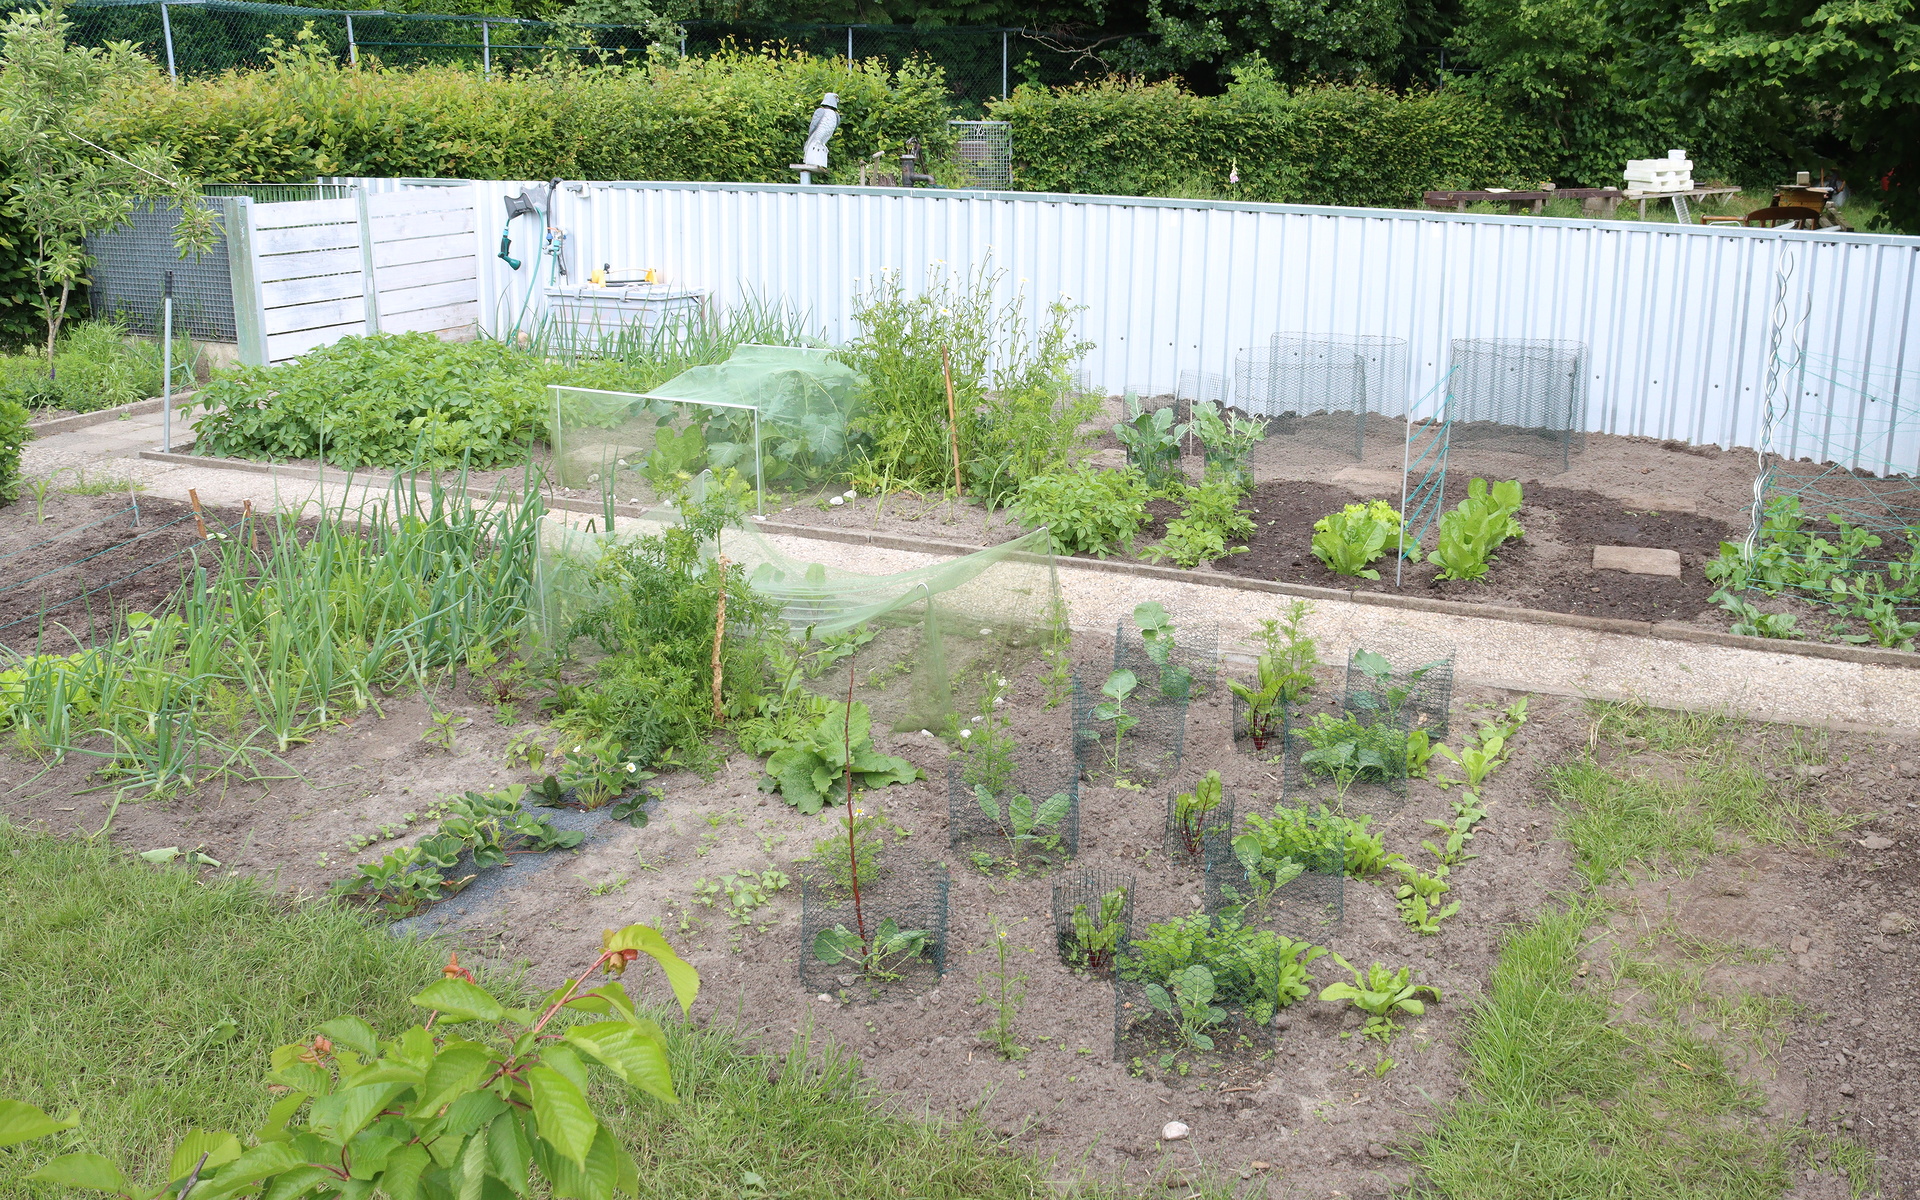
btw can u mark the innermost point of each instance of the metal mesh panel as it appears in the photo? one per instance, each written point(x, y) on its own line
point(995, 840)
point(1092, 918)
point(280, 193)
point(1145, 753)
point(1321, 388)
point(1371, 778)
point(1520, 396)
point(1310, 906)
point(984, 149)
point(1417, 676)
point(1191, 838)
point(129, 273)
point(910, 897)
point(1192, 662)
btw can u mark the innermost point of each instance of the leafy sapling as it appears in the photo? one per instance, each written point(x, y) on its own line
point(1382, 994)
point(1187, 999)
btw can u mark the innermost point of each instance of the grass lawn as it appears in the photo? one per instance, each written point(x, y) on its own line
point(150, 1002)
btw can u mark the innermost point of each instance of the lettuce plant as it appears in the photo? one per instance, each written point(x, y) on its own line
point(1473, 529)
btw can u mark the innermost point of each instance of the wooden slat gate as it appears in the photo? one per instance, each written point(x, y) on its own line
point(308, 273)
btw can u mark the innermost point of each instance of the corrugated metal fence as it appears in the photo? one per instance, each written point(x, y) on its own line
point(1676, 318)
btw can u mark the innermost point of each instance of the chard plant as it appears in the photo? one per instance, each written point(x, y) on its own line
point(1190, 811)
point(1282, 674)
point(1382, 994)
point(480, 1099)
point(1096, 930)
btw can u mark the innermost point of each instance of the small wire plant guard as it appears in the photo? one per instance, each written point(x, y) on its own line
point(1199, 821)
point(1423, 465)
point(1024, 822)
point(1309, 903)
point(1320, 388)
point(984, 151)
point(903, 898)
point(1092, 918)
point(1403, 669)
point(1351, 761)
point(1128, 736)
point(1168, 651)
point(1205, 1016)
point(1520, 396)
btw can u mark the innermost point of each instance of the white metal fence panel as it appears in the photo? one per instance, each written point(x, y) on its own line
point(1676, 318)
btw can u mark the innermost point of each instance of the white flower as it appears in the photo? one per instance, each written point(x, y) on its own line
point(1003, 681)
point(976, 720)
point(631, 768)
point(578, 749)
point(619, 462)
point(997, 702)
point(966, 733)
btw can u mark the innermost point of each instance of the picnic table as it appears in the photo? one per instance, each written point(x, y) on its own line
point(1592, 198)
point(1679, 198)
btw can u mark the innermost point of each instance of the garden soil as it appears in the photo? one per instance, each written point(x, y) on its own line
point(1319, 1121)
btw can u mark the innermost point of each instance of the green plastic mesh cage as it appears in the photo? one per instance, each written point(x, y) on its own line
point(776, 414)
point(923, 648)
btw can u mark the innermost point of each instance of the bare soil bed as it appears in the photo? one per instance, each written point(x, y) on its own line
point(1616, 492)
point(1313, 1119)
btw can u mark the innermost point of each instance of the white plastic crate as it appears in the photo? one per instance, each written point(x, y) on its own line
point(1674, 173)
point(586, 317)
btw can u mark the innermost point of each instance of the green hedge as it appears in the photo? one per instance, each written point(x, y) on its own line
point(737, 117)
point(1317, 145)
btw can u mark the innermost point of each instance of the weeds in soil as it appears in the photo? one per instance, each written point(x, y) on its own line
point(1004, 987)
point(986, 742)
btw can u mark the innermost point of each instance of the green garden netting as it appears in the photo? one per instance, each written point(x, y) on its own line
point(919, 644)
point(776, 414)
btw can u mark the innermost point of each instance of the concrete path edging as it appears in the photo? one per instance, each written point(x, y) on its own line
point(54, 426)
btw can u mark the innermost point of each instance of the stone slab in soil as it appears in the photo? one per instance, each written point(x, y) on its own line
point(1637, 560)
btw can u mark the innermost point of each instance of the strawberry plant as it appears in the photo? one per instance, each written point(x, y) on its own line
point(408, 878)
point(1473, 529)
point(481, 1099)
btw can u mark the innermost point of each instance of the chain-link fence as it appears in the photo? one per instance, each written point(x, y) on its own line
point(191, 38)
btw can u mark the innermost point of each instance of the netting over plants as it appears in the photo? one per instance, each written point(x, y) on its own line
point(895, 945)
point(1015, 817)
point(1519, 396)
point(1403, 670)
point(926, 648)
point(1320, 388)
point(1127, 731)
point(1199, 822)
point(776, 414)
point(1172, 654)
point(1287, 875)
point(1092, 918)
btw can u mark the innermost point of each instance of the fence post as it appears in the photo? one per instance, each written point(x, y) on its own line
point(849, 47)
point(166, 33)
point(486, 55)
point(1003, 64)
point(353, 47)
point(369, 279)
point(249, 314)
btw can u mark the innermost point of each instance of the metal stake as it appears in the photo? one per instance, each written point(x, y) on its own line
point(486, 52)
point(353, 47)
point(849, 47)
point(166, 31)
point(1003, 64)
point(166, 366)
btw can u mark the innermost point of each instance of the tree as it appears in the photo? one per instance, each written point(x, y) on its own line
point(65, 186)
point(1850, 69)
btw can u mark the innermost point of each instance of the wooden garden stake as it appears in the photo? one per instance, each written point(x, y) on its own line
point(193, 497)
point(719, 631)
point(953, 422)
point(253, 531)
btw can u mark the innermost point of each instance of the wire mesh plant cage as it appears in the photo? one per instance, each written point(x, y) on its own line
point(1321, 388)
point(904, 913)
point(1180, 658)
point(1214, 1028)
point(1309, 905)
point(1519, 396)
point(1197, 823)
point(1261, 738)
point(1092, 918)
point(1018, 817)
point(1134, 740)
point(1352, 760)
point(984, 151)
point(1403, 670)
